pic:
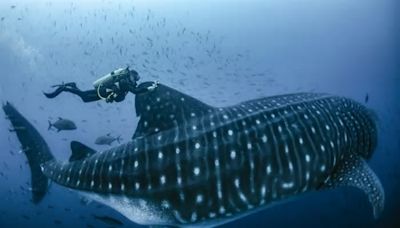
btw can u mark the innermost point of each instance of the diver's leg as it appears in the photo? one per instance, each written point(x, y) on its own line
point(89, 95)
point(86, 96)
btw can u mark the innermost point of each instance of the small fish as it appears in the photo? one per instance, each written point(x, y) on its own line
point(15, 129)
point(366, 99)
point(62, 125)
point(107, 140)
point(108, 220)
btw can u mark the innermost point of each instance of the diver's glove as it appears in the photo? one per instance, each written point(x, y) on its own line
point(153, 86)
point(110, 99)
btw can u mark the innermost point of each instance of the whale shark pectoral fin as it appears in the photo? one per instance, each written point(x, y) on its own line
point(164, 108)
point(355, 172)
point(80, 151)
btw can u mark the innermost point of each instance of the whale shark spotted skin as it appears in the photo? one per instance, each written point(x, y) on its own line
point(191, 164)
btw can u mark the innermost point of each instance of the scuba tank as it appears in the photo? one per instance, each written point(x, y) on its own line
point(110, 79)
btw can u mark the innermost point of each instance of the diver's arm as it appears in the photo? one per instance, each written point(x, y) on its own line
point(138, 90)
point(114, 94)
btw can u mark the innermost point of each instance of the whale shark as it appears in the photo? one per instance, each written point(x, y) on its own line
point(193, 164)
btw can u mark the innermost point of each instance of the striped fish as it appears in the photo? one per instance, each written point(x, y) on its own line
point(191, 164)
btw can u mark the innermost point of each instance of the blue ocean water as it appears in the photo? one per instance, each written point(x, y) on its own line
point(221, 52)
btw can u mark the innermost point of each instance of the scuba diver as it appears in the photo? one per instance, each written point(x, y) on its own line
point(111, 87)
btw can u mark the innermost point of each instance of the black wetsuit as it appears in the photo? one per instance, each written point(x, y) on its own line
point(119, 92)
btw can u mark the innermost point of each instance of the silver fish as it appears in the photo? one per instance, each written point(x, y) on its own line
point(107, 139)
point(62, 125)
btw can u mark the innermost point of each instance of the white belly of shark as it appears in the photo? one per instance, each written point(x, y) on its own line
point(144, 213)
point(191, 164)
point(136, 210)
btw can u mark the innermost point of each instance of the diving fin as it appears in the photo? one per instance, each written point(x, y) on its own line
point(355, 172)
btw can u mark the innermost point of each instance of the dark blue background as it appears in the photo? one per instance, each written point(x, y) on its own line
point(221, 52)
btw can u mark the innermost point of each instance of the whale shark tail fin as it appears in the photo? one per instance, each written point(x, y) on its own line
point(34, 148)
point(355, 172)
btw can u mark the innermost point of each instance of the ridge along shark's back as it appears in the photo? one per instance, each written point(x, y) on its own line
point(193, 164)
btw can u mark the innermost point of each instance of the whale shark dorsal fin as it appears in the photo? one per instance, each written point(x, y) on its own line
point(164, 108)
point(80, 151)
point(355, 172)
